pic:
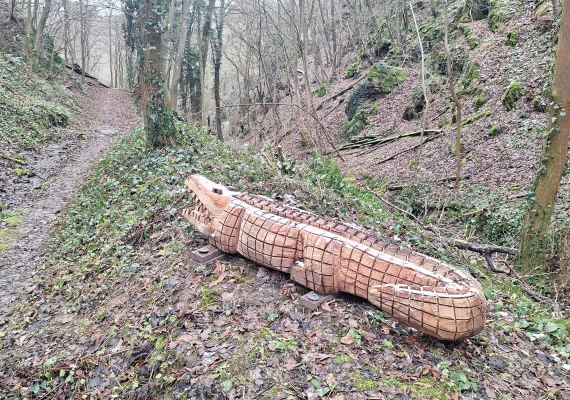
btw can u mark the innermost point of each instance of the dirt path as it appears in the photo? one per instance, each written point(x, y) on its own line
point(64, 166)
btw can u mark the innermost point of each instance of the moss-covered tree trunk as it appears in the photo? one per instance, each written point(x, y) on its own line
point(159, 125)
point(536, 229)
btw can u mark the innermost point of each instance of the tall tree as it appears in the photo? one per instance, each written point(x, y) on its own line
point(205, 39)
point(159, 125)
point(217, 61)
point(12, 10)
point(455, 97)
point(41, 27)
point(536, 228)
point(175, 76)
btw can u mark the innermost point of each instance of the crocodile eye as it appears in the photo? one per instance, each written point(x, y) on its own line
point(217, 190)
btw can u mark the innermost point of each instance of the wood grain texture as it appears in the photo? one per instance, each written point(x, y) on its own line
point(330, 257)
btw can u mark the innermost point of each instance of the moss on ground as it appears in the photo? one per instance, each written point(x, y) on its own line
point(496, 19)
point(385, 77)
point(360, 120)
point(512, 94)
point(10, 221)
point(421, 388)
point(381, 80)
point(479, 100)
point(512, 39)
point(468, 33)
point(494, 130)
point(469, 79)
point(353, 69)
point(476, 117)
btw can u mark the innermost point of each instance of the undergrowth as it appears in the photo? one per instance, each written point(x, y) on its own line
point(29, 105)
point(122, 238)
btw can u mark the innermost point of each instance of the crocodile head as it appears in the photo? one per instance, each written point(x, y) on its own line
point(209, 204)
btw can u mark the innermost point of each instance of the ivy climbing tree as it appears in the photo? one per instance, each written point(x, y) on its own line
point(535, 242)
point(159, 124)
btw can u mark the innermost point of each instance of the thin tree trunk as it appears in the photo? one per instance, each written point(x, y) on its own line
point(204, 53)
point(455, 97)
point(424, 85)
point(41, 27)
point(179, 55)
point(110, 45)
point(536, 228)
point(217, 43)
point(65, 30)
point(308, 95)
point(12, 10)
point(166, 39)
point(82, 39)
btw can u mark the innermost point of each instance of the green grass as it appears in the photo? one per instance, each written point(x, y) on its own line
point(29, 105)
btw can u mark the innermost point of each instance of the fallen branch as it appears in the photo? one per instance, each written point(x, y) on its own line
point(378, 140)
point(446, 179)
point(482, 248)
point(487, 250)
point(16, 160)
point(427, 139)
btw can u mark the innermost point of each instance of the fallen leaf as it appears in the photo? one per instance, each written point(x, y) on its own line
point(219, 267)
point(218, 280)
point(347, 339)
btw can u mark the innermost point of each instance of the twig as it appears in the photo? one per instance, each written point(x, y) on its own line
point(427, 139)
point(16, 160)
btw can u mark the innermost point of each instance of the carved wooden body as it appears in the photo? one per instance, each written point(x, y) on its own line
point(330, 257)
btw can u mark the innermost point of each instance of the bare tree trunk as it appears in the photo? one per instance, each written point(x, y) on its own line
point(12, 10)
point(82, 39)
point(158, 120)
point(41, 27)
point(166, 39)
point(204, 53)
point(424, 85)
point(65, 29)
point(311, 126)
point(110, 45)
point(217, 44)
point(455, 97)
point(536, 228)
point(29, 21)
point(179, 55)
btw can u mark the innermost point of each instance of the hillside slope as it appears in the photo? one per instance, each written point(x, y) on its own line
point(502, 133)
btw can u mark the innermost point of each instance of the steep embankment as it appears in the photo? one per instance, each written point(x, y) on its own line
point(502, 72)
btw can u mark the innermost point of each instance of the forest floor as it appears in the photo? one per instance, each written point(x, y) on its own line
point(59, 169)
point(115, 309)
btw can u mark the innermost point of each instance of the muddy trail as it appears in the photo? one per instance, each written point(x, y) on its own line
point(60, 168)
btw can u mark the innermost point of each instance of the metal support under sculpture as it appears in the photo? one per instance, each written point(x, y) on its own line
point(330, 257)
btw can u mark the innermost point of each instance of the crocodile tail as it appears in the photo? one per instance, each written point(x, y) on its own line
point(446, 313)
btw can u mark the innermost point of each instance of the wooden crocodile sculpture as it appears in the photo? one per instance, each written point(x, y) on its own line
point(330, 257)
